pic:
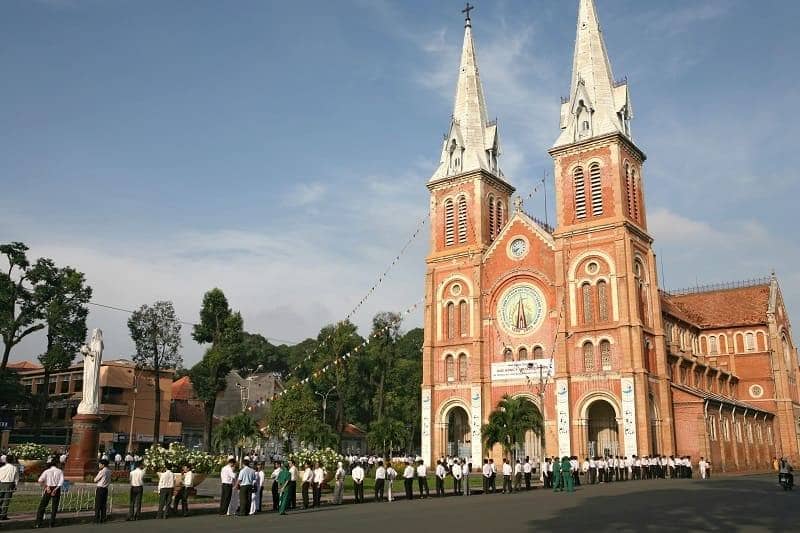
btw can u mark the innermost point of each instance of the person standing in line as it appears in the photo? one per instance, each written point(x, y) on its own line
point(308, 478)
point(244, 481)
point(380, 481)
point(51, 480)
point(255, 490)
point(466, 470)
point(358, 482)
point(284, 479)
point(457, 474)
point(408, 480)
point(592, 468)
point(507, 470)
point(527, 470)
point(227, 478)
point(487, 475)
point(9, 477)
point(136, 479)
point(182, 491)
point(338, 488)
point(702, 466)
point(101, 480)
point(261, 478)
point(276, 493)
point(518, 476)
point(319, 479)
point(422, 480)
point(440, 473)
point(391, 475)
point(294, 474)
point(573, 461)
point(493, 478)
point(166, 484)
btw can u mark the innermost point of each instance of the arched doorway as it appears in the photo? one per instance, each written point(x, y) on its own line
point(458, 433)
point(603, 429)
point(532, 445)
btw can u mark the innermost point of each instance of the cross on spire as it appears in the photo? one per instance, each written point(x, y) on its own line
point(466, 11)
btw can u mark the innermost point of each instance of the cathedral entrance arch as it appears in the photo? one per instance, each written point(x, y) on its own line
point(532, 445)
point(456, 432)
point(603, 429)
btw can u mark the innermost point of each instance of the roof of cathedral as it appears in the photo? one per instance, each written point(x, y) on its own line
point(471, 135)
point(708, 395)
point(592, 85)
point(738, 306)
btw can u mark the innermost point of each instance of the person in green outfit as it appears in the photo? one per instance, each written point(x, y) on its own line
point(566, 474)
point(283, 482)
point(557, 487)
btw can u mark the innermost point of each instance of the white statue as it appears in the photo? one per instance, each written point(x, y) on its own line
point(92, 356)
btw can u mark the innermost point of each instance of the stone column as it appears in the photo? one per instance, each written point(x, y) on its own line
point(82, 458)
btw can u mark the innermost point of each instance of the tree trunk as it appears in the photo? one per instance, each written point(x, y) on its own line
point(6, 354)
point(209, 423)
point(157, 409)
point(41, 405)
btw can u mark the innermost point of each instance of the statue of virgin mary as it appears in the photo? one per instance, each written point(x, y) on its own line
point(92, 357)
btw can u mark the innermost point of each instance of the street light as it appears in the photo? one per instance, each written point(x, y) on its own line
point(136, 372)
point(324, 401)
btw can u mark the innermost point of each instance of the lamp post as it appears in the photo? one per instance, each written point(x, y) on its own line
point(324, 400)
point(133, 409)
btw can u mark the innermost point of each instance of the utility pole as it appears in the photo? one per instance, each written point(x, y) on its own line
point(324, 401)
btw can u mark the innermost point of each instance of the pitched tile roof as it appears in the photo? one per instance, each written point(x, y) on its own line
point(23, 365)
point(182, 389)
point(742, 306)
point(719, 398)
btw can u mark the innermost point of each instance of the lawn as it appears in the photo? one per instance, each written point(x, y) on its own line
point(28, 502)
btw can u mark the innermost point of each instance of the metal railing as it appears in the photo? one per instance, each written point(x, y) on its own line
point(718, 286)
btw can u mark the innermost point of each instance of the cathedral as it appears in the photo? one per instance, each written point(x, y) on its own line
point(572, 317)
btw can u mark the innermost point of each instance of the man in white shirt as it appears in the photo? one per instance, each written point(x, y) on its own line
point(456, 471)
point(592, 469)
point(227, 478)
point(493, 479)
point(408, 480)
point(101, 480)
point(380, 481)
point(294, 474)
point(9, 477)
point(117, 460)
point(308, 478)
point(422, 480)
point(319, 478)
point(440, 473)
point(527, 470)
point(128, 461)
point(182, 492)
point(391, 475)
point(136, 478)
point(51, 481)
point(358, 482)
point(487, 476)
point(466, 469)
point(261, 476)
point(338, 488)
point(166, 484)
point(507, 471)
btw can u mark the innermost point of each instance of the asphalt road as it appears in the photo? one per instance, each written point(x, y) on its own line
point(751, 503)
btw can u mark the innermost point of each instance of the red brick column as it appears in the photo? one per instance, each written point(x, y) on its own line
point(82, 458)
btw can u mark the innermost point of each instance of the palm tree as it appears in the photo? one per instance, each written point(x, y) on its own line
point(510, 421)
point(236, 432)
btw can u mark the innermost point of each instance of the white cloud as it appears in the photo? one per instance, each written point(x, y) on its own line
point(305, 194)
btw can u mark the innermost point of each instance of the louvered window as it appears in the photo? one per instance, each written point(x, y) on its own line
point(500, 220)
point(508, 355)
point(602, 301)
point(597, 189)
point(451, 320)
point(462, 219)
point(523, 354)
point(635, 195)
point(580, 194)
point(586, 291)
point(605, 355)
point(491, 218)
point(449, 235)
point(451, 368)
point(588, 356)
point(538, 353)
point(463, 319)
point(628, 190)
point(462, 367)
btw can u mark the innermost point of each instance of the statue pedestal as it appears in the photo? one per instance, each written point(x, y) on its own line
point(82, 458)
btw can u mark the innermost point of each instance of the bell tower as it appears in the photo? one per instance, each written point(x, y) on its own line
point(612, 333)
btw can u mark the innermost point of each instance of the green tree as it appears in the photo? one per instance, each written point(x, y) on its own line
point(293, 413)
point(403, 396)
point(236, 432)
point(223, 329)
point(156, 333)
point(386, 435)
point(508, 423)
point(19, 312)
point(61, 294)
point(382, 353)
point(335, 341)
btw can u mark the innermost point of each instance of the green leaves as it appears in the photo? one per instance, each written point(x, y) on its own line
point(509, 423)
point(236, 432)
point(19, 312)
point(156, 333)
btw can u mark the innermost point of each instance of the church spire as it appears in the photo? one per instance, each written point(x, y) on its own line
point(472, 142)
point(596, 105)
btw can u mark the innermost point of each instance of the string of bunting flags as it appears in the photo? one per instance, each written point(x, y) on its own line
point(369, 293)
point(352, 353)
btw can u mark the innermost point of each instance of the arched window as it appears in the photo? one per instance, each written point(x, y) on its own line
point(786, 352)
point(508, 355)
point(605, 355)
point(739, 342)
point(602, 301)
point(712, 345)
point(580, 193)
point(628, 190)
point(761, 342)
point(588, 312)
point(723, 344)
point(449, 231)
point(638, 272)
point(462, 367)
point(588, 356)
point(500, 219)
point(596, 186)
point(450, 317)
point(749, 342)
point(703, 345)
point(538, 353)
point(491, 218)
point(463, 319)
point(523, 354)
point(635, 194)
point(450, 366)
point(462, 219)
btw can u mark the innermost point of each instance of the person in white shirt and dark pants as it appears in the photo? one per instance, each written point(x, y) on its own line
point(318, 480)
point(358, 482)
point(182, 495)
point(166, 484)
point(227, 478)
point(9, 477)
point(136, 478)
point(102, 480)
point(380, 481)
point(51, 481)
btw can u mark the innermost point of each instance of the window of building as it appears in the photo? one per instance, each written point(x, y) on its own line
point(78, 385)
point(500, 217)
point(523, 354)
point(712, 345)
point(538, 353)
point(635, 194)
point(602, 300)
point(64, 385)
point(580, 193)
point(462, 219)
point(596, 186)
point(761, 342)
point(51, 387)
point(508, 355)
point(585, 125)
point(588, 312)
point(450, 368)
point(605, 355)
point(450, 320)
point(738, 340)
point(749, 342)
point(449, 230)
point(722, 340)
point(628, 190)
point(588, 356)
point(61, 414)
point(462, 367)
point(463, 318)
point(491, 218)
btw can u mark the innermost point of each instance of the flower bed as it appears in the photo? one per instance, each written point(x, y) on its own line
point(32, 452)
point(327, 457)
point(177, 455)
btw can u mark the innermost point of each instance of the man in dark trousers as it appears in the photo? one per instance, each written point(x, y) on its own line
point(422, 480)
point(102, 481)
point(408, 480)
point(245, 481)
point(227, 478)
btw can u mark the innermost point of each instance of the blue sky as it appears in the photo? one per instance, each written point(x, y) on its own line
point(280, 150)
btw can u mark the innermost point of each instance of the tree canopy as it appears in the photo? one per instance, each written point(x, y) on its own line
point(509, 423)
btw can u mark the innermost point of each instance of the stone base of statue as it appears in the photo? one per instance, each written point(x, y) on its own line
point(82, 459)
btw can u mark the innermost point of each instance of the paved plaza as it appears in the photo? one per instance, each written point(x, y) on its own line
point(746, 503)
